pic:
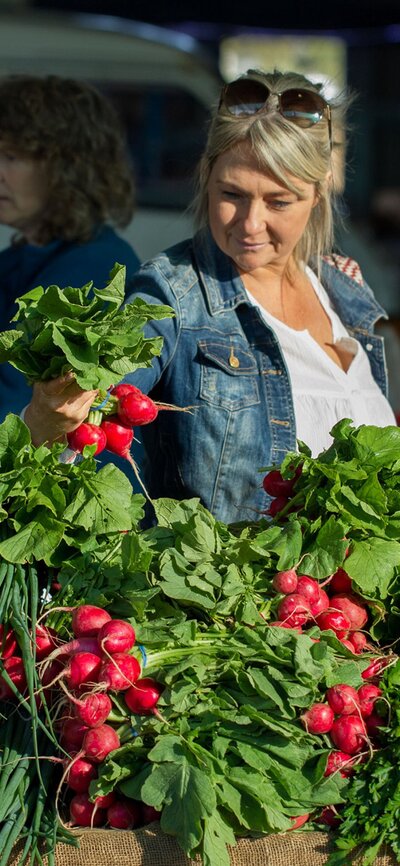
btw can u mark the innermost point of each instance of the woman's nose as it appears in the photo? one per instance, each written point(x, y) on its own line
point(254, 216)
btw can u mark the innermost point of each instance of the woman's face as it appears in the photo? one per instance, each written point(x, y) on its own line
point(255, 220)
point(22, 191)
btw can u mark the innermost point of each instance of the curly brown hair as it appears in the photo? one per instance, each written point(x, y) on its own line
point(75, 132)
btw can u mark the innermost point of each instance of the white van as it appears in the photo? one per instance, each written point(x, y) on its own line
point(160, 82)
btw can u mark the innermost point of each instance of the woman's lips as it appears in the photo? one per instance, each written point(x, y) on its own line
point(252, 245)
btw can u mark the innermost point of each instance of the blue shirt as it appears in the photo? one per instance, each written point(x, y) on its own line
point(61, 263)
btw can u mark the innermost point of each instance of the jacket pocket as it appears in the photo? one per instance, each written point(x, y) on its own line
point(228, 373)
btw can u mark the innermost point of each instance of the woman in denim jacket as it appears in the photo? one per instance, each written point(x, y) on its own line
point(272, 339)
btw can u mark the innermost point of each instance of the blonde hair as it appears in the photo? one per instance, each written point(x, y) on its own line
point(282, 150)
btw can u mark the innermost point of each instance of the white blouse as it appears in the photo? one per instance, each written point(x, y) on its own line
point(323, 393)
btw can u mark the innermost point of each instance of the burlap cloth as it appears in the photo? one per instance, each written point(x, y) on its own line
point(150, 847)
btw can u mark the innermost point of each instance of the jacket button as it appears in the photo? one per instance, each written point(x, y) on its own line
point(369, 347)
point(233, 360)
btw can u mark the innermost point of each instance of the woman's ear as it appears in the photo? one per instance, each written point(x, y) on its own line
point(329, 179)
point(320, 186)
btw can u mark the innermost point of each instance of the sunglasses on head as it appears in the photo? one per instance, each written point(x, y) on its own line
point(247, 96)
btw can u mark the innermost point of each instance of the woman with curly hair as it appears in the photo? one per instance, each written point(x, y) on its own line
point(65, 182)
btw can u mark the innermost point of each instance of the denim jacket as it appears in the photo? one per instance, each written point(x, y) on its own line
point(223, 362)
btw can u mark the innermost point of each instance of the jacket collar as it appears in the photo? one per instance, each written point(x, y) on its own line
point(224, 288)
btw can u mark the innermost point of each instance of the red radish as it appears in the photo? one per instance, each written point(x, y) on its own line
point(87, 434)
point(349, 734)
point(84, 813)
point(80, 774)
point(149, 814)
point(359, 641)
point(335, 621)
point(276, 506)
point(124, 388)
point(99, 742)
point(92, 709)
point(318, 719)
point(352, 606)
point(72, 734)
point(309, 588)
point(119, 437)
point(76, 645)
point(374, 723)
point(116, 635)
point(286, 624)
point(51, 665)
point(119, 672)
point(299, 821)
point(367, 695)
point(124, 814)
point(376, 667)
point(343, 699)
point(104, 801)
point(136, 409)
point(294, 609)
point(88, 619)
point(339, 762)
point(82, 669)
point(143, 696)
point(16, 671)
point(49, 675)
point(46, 640)
point(330, 817)
point(340, 581)
point(275, 485)
point(321, 604)
point(347, 643)
point(8, 642)
point(285, 581)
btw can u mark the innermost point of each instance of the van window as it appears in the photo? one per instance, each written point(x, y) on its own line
point(166, 130)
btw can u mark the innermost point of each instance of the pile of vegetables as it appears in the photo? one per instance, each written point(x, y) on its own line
point(224, 680)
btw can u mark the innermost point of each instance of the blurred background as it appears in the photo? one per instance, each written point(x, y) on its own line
point(162, 64)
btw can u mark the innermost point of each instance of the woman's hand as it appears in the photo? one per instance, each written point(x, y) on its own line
point(57, 407)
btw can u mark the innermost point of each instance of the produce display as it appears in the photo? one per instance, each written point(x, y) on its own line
point(225, 681)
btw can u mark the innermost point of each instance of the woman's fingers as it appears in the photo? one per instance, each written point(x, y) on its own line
point(57, 407)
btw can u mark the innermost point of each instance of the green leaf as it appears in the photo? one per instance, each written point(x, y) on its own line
point(102, 503)
point(372, 564)
point(84, 330)
point(35, 541)
point(186, 796)
point(217, 835)
point(377, 446)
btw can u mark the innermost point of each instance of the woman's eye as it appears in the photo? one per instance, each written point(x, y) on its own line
point(230, 194)
point(279, 204)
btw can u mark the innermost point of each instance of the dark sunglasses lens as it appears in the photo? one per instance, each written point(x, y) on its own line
point(302, 107)
point(244, 96)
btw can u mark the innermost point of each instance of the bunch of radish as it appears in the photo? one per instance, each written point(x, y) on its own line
point(111, 427)
point(12, 661)
point(349, 718)
point(280, 489)
point(95, 664)
point(332, 606)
